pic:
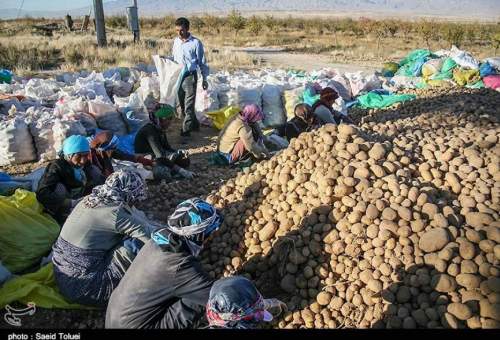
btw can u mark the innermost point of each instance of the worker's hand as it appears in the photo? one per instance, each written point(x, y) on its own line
point(204, 84)
point(275, 306)
point(144, 161)
point(186, 173)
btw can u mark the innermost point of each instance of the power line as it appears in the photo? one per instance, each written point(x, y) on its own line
point(19, 10)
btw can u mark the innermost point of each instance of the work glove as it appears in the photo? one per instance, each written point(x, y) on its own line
point(204, 84)
point(186, 173)
point(275, 306)
point(144, 161)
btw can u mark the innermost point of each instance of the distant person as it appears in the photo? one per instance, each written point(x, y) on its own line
point(188, 51)
point(242, 136)
point(151, 139)
point(323, 109)
point(103, 149)
point(67, 179)
point(301, 122)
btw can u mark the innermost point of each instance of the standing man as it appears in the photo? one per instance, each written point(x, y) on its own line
point(188, 51)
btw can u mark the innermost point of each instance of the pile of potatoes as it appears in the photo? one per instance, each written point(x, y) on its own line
point(391, 224)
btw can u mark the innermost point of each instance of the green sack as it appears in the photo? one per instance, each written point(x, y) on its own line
point(378, 101)
point(478, 85)
point(26, 233)
point(446, 71)
point(310, 98)
point(415, 55)
point(5, 76)
point(39, 288)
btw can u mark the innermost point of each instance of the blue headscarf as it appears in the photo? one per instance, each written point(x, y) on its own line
point(72, 145)
point(193, 220)
point(75, 144)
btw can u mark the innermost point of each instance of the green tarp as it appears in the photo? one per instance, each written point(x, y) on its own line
point(378, 101)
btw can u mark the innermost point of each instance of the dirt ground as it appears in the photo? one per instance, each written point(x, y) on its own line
point(308, 62)
point(162, 199)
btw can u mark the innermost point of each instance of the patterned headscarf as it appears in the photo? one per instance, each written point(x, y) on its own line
point(304, 112)
point(193, 220)
point(235, 302)
point(251, 114)
point(121, 187)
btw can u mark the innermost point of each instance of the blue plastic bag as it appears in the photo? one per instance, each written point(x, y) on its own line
point(486, 70)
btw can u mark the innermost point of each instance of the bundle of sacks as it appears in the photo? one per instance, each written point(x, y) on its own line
point(36, 115)
point(277, 92)
point(394, 224)
point(454, 67)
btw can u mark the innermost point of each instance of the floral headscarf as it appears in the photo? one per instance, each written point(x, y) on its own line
point(251, 114)
point(235, 302)
point(121, 187)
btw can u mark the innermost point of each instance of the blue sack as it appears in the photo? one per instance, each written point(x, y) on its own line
point(486, 70)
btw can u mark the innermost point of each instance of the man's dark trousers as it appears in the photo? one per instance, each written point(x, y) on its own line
point(187, 99)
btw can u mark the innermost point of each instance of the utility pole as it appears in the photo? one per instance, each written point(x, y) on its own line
point(133, 20)
point(99, 23)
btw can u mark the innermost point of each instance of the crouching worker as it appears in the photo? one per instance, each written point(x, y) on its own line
point(235, 302)
point(100, 239)
point(67, 179)
point(103, 149)
point(323, 109)
point(152, 140)
point(242, 137)
point(301, 122)
point(166, 287)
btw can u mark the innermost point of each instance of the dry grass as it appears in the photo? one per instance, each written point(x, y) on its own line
point(344, 40)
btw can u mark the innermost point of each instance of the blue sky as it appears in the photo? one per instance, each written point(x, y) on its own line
point(46, 5)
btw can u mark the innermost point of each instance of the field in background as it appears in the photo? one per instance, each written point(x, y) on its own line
point(343, 40)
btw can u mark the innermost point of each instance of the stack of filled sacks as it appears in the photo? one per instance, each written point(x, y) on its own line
point(422, 68)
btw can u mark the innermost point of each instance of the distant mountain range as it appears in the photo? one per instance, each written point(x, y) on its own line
point(476, 9)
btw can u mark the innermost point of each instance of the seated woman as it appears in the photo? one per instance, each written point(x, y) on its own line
point(103, 148)
point(68, 178)
point(241, 136)
point(323, 109)
point(235, 302)
point(166, 286)
point(152, 140)
point(302, 122)
point(100, 239)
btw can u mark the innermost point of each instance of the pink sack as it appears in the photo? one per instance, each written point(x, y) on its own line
point(492, 82)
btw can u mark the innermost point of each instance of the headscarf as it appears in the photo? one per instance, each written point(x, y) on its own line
point(251, 114)
point(328, 94)
point(73, 145)
point(235, 302)
point(304, 112)
point(193, 220)
point(121, 187)
point(103, 141)
point(166, 111)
